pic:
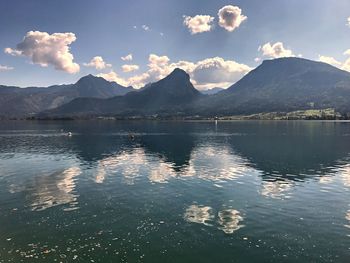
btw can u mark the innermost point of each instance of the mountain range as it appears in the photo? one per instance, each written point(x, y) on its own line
point(285, 84)
point(173, 95)
point(279, 85)
point(20, 102)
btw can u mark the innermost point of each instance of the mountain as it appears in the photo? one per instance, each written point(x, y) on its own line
point(212, 91)
point(20, 102)
point(97, 87)
point(285, 84)
point(279, 85)
point(172, 95)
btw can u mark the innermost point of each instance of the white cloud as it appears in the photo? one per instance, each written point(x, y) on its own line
point(5, 68)
point(207, 73)
point(146, 28)
point(127, 57)
point(329, 60)
point(230, 17)
point(199, 23)
point(276, 50)
point(113, 76)
point(345, 65)
point(257, 60)
point(12, 52)
point(348, 22)
point(156, 60)
point(98, 63)
point(159, 67)
point(184, 65)
point(139, 81)
point(213, 72)
point(130, 68)
point(45, 49)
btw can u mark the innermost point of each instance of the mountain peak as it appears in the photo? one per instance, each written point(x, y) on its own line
point(295, 65)
point(176, 88)
point(88, 77)
point(291, 60)
point(178, 73)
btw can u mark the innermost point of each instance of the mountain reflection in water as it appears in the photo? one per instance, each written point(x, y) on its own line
point(251, 191)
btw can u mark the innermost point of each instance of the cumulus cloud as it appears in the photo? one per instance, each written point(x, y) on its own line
point(329, 60)
point(345, 65)
point(216, 71)
point(130, 68)
point(5, 68)
point(12, 52)
point(348, 22)
point(231, 17)
point(98, 63)
point(159, 67)
point(140, 80)
point(45, 49)
point(207, 73)
point(198, 23)
point(276, 50)
point(127, 57)
point(113, 76)
point(155, 60)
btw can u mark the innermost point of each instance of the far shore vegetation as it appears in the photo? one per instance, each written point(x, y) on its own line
point(310, 114)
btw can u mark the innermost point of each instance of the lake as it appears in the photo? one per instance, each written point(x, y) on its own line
point(242, 191)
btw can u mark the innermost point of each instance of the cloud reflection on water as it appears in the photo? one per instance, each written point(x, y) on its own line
point(199, 214)
point(162, 172)
point(347, 217)
point(217, 164)
point(230, 220)
point(55, 189)
point(345, 175)
point(276, 189)
point(128, 163)
point(207, 163)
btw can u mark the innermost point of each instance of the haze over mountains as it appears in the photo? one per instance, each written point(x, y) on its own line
point(212, 91)
point(279, 85)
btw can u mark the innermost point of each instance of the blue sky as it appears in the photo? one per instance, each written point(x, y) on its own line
point(314, 29)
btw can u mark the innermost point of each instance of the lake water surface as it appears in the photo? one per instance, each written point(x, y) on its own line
point(177, 192)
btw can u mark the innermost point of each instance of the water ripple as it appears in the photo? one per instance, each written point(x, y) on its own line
point(230, 220)
point(199, 214)
point(56, 189)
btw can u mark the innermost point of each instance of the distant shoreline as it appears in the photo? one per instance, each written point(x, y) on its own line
point(328, 114)
point(169, 120)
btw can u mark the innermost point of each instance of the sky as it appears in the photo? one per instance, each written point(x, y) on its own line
point(135, 42)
